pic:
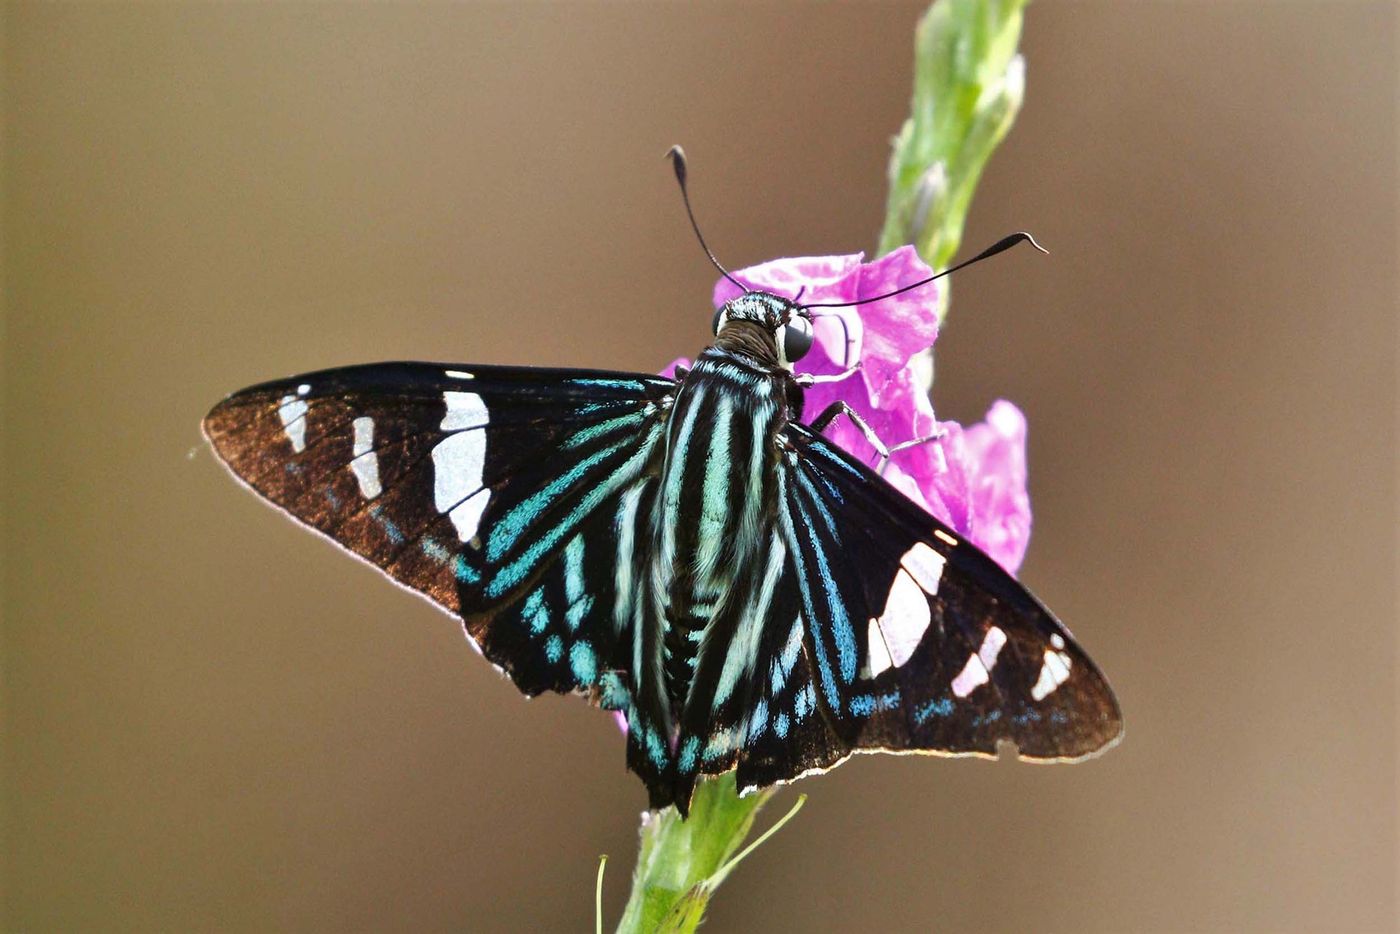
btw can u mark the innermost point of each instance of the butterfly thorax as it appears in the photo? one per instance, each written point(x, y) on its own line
point(749, 341)
point(717, 494)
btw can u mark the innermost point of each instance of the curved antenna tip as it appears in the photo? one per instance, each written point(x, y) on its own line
point(677, 156)
point(1023, 234)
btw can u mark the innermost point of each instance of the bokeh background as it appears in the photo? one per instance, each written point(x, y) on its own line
point(213, 721)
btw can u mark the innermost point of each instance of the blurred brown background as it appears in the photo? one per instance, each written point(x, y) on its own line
point(216, 722)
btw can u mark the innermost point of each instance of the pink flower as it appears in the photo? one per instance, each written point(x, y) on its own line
point(974, 478)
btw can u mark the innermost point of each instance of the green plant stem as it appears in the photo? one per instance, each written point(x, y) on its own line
point(682, 862)
point(968, 85)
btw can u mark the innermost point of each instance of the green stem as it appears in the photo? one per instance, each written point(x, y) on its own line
point(968, 86)
point(682, 862)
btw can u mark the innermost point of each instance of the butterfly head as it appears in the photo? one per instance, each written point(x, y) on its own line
point(789, 324)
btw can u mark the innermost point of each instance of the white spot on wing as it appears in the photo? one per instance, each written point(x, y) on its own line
point(1054, 671)
point(979, 665)
point(905, 618)
point(877, 655)
point(464, 410)
point(303, 389)
point(974, 673)
point(467, 517)
point(991, 647)
point(925, 565)
point(366, 463)
point(458, 462)
point(939, 533)
point(292, 412)
point(459, 374)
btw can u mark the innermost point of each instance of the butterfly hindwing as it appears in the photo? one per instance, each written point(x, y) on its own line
point(493, 491)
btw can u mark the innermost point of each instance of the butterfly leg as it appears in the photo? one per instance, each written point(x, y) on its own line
point(839, 408)
point(811, 379)
point(906, 445)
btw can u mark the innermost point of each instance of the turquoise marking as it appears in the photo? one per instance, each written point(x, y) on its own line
point(433, 549)
point(794, 645)
point(390, 529)
point(840, 622)
point(802, 703)
point(824, 453)
point(574, 584)
point(463, 571)
point(758, 721)
point(1058, 716)
point(780, 726)
point(625, 523)
point(515, 572)
point(583, 662)
point(656, 749)
point(1030, 716)
point(554, 649)
point(817, 500)
point(332, 498)
point(576, 613)
point(631, 384)
point(716, 747)
point(675, 471)
point(783, 664)
point(585, 435)
point(613, 694)
point(939, 708)
point(689, 750)
point(714, 492)
point(515, 523)
point(991, 716)
point(863, 705)
point(536, 613)
point(293, 468)
point(828, 679)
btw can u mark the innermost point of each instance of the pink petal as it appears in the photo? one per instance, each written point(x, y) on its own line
point(896, 328)
point(670, 370)
point(1000, 505)
point(827, 278)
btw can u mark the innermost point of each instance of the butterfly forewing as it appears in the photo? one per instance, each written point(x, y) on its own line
point(952, 654)
point(493, 491)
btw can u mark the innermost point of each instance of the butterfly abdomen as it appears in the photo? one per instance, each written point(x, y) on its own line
point(716, 506)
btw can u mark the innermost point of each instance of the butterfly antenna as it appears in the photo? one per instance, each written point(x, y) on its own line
point(1002, 245)
point(677, 155)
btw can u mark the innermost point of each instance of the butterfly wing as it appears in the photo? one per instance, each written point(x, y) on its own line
point(911, 638)
point(502, 494)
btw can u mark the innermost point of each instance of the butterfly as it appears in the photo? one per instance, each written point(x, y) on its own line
point(687, 552)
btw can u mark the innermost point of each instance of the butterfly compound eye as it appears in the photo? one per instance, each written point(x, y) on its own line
point(797, 338)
